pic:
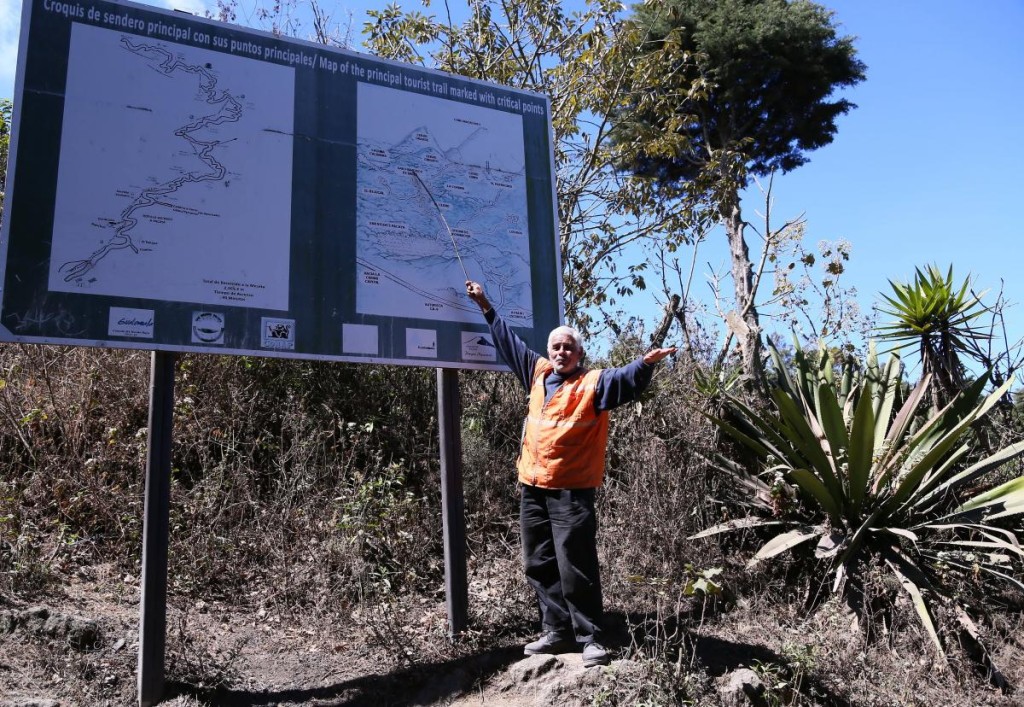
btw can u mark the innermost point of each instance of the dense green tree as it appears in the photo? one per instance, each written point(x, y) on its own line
point(754, 95)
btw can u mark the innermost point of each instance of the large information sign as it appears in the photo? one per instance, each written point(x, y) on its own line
point(184, 185)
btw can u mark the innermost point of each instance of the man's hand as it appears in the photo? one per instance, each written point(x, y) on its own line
point(655, 355)
point(476, 293)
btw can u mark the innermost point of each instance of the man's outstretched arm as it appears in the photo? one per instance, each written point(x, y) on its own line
point(618, 386)
point(514, 351)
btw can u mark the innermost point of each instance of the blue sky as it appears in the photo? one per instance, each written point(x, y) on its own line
point(925, 170)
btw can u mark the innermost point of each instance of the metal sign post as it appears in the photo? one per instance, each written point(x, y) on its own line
point(153, 606)
point(452, 504)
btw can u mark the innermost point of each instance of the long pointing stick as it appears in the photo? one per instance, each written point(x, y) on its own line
point(444, 221)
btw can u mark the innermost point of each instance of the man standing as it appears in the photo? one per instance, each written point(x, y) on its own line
point(560, 466)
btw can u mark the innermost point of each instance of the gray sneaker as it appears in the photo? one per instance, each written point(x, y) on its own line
point(550, 643)
point(595, 654)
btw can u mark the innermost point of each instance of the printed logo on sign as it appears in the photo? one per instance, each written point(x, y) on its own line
point(136, 323)
point(278, 333)
point(207, 328)
point(478, 347)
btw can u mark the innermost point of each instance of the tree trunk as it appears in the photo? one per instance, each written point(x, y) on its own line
point(743, 320)
point(671, 312)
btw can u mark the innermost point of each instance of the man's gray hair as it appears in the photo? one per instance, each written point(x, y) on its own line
point(570, 332)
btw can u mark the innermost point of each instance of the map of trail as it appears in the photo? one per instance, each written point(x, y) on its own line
point(438, 180)
point(179, 185)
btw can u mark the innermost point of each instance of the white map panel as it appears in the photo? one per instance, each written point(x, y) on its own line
point(438, 179)
point(175, 177)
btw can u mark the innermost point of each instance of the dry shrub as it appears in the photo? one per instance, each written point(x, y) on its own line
point(192, 660)
point(501, 604)
point(658, 486)
point(72, 457)
point(317, 482)
point(314, 483)
point(493, 407)
point(315, 486)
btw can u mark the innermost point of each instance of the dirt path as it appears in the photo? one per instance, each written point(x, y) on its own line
point(222, 655)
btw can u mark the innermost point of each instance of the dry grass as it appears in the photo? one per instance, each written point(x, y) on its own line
point(306, 497)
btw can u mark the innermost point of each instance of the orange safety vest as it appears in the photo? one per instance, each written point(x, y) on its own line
point(564, 441)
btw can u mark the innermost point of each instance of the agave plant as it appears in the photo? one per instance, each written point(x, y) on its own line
point(871, 484)
point(938, 316)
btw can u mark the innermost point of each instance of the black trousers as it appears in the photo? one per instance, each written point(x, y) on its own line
point(559, 535)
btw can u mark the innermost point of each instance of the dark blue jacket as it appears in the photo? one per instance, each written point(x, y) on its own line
point(615, 386)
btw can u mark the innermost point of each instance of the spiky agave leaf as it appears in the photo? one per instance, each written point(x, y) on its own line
point(1001, 502)
point(786, 541)
point(913, 581)
point(737, 524)
point(861, 450)
point(994, 561)
point(948, 486)
point(931, 303)
point(806, 436)
point(760, 492)
point(811, 485)
point(935, 446)
point(885, 385)
point(972, 637)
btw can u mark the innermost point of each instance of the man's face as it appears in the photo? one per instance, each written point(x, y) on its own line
point(563, 353)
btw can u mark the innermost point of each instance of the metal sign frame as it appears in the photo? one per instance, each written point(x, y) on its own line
point(120, 232)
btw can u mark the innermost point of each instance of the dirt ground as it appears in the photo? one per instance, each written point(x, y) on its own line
point(224, 655)
point(80, 649)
